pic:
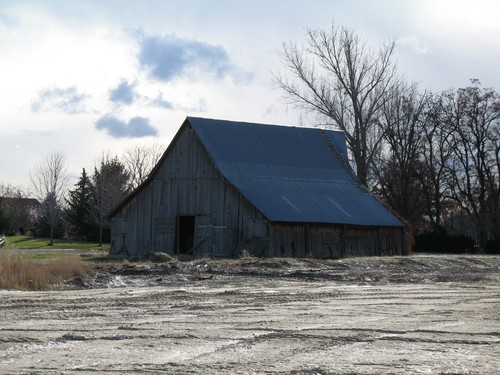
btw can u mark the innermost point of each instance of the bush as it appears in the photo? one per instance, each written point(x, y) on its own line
point(493, 246)
point(439, 241)
point(20, 273)
point(431, 242)
point(460, 244)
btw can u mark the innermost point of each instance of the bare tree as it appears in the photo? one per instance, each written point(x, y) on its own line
point(397, 171)
point(337, 76)
point(436, 153)
point(49, 180)
point(473, 115)
point(139, 161)
point(494, 183)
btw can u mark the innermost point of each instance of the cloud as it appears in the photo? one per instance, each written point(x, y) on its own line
point(414, 43)
point(137, 127)
point(124, 93)
point(160, 102)
point(169, 57)
point(67, 100)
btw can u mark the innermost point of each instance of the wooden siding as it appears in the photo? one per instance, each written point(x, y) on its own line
point(288, 240)
point(334, 241)
point(188, 184)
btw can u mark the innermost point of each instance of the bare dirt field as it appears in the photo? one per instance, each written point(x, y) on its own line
point(420, 314)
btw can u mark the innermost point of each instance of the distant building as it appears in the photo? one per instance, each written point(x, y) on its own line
point(21, 212)
point(223, 187)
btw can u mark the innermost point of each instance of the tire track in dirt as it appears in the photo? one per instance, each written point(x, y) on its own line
point(260, 323)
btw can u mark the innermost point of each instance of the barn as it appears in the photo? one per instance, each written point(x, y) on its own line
point(224, 188)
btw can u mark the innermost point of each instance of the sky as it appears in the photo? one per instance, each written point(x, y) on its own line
point(101, 76)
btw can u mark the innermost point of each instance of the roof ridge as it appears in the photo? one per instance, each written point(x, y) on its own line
point(342, 158)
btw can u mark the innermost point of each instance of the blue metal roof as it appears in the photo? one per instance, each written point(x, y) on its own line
point(291, 174)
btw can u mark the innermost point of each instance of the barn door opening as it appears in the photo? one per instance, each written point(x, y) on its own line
point(186, 234)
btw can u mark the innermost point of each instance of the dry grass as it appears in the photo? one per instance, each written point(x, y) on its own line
point(20, 273)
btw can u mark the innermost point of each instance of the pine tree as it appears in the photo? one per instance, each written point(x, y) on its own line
point(78, 211)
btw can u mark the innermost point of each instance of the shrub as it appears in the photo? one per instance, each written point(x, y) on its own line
point(20, 273)
point(460, 244)
point(439, 241)
point(431, 242)
point(493, 246)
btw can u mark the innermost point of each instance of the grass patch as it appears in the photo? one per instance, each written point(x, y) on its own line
point(22, 242)
point(45, 256)
point(104, 259)
point(17, 272)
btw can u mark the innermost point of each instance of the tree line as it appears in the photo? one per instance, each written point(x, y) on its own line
point(77, 211)
point(433, 158)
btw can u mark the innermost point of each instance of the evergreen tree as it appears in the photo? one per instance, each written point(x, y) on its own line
point(78, 211)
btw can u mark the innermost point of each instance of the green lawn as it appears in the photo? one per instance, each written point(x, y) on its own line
point(21, 242)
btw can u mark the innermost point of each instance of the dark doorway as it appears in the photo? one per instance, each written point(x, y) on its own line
point(186, 234)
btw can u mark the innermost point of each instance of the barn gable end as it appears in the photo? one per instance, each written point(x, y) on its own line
point(223, 187)
point(185, 207)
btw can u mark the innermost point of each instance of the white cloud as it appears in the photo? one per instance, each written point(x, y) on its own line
point(414, 43)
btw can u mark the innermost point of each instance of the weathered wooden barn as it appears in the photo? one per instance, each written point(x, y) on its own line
point(223, 187)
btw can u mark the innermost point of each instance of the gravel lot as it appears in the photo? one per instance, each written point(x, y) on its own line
point(438, 315)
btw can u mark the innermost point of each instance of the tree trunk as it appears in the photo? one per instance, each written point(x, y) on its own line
point(100, 233)
point(51, 241)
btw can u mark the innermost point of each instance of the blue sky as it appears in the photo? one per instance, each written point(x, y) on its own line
point(87, 77)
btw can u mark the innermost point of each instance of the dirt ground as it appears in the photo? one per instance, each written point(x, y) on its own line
point(420, 314)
